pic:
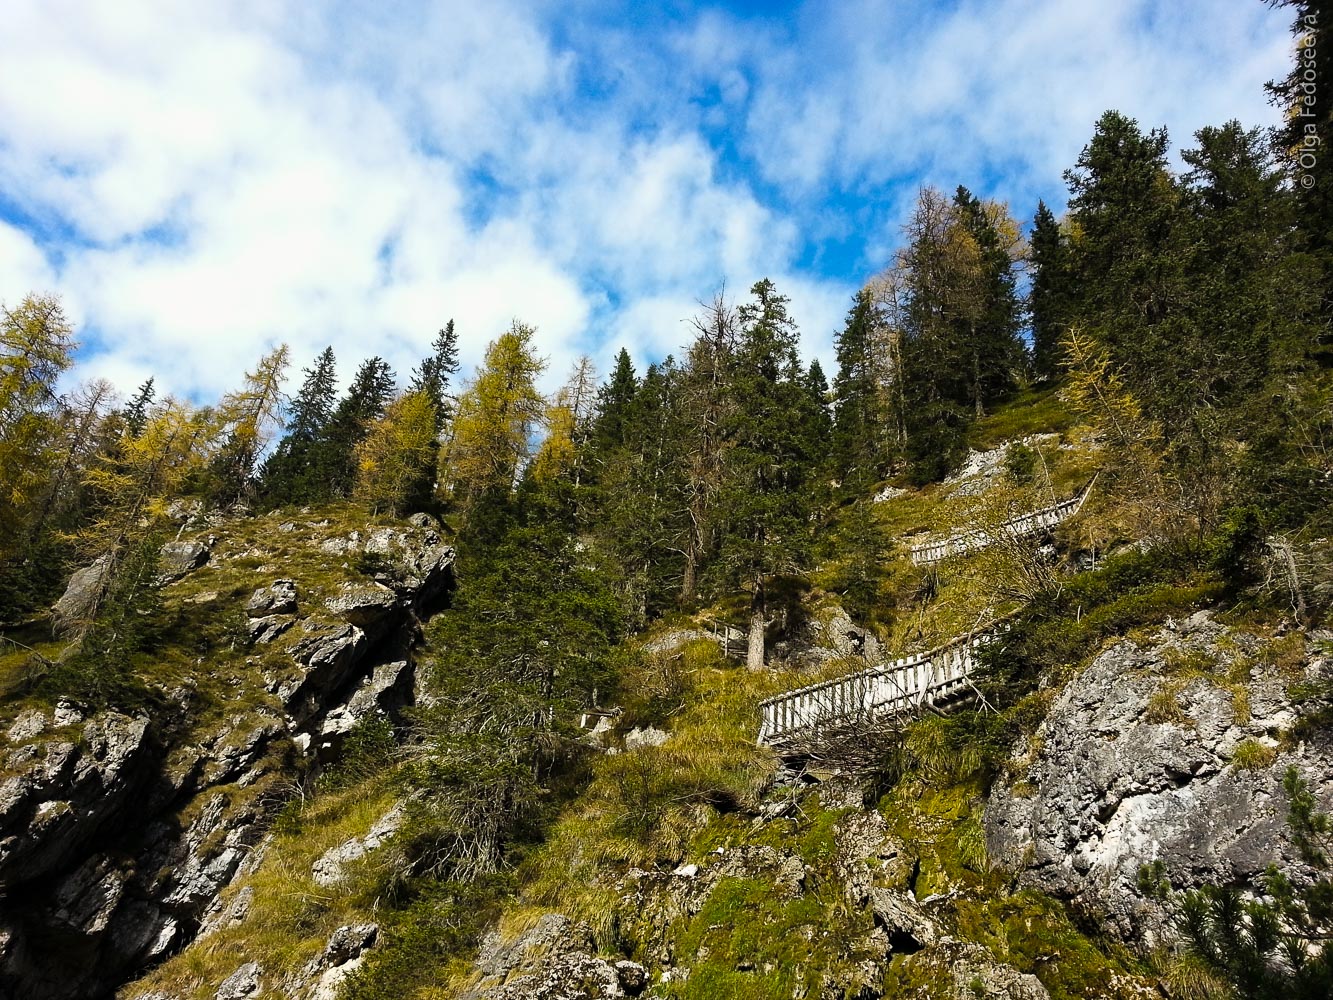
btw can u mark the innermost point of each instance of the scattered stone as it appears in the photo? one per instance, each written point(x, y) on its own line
point(648, 736)
point(242, 983)
point(278, 598)
point(180, 558)
point(31, 722)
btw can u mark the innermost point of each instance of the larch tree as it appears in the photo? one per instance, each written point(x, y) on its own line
point(496, 415)
point(249, 417)
point(36, 347)
point(396, 460)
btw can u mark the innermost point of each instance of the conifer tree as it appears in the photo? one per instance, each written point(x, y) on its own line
point(1050, 291)
point(396, 460)
point(767, 463)
point(496, 414)
point(707, 407)
point(614, 402)
point(135, 413)
point(862, 438)
point(289, 474)
point(1130, 259)
point(36, 347)
point(433, 374)
point(364, 403)
point(248, 416)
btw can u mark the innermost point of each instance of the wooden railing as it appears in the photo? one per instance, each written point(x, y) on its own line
point(901, 688)
point(1016, 527)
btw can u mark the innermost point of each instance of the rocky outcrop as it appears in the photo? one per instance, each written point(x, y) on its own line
point(66, 789)
point(119, 831)
point(1138, 763)
point(553, 960)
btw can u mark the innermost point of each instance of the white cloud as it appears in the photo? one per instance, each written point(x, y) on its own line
point(210, 179)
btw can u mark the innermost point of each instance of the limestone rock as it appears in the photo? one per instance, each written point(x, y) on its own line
point(278, 598)
point(365, 605)
point(329, 869)
point(242, 983)
point(180, 558)
point(59, 795)
point(1117, 787)
point(81, 593)
point(649, 736)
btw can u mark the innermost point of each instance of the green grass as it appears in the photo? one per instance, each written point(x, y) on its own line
point(1035, 411)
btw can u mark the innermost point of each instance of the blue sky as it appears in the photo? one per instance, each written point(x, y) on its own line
point(202, 180)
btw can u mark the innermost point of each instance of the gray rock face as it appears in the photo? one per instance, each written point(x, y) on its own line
point(1115, 786)
point(60, 795)
point(117, 836)
point(329, 869)
point(81, 594)
point(366, 605)
point(180, 558)
point(551, 961)
point(278, 598)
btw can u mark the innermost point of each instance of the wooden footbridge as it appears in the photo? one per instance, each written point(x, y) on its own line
point(902, 689)
point(1023, 526)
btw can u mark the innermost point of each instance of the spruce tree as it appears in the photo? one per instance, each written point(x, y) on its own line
point(135, 413)
point(1050, 292)
point(862, 437)
point(289, 474)
point(433, 374)
point(764, 495)
point(365, 402)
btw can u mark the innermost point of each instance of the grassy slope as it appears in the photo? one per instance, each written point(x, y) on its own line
point(655, 808)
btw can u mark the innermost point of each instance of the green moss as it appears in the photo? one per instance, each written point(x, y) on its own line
point(1035, 934)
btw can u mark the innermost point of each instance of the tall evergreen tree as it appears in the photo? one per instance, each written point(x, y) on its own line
point(862, 437)
point(135, 413)
point(614, 402)
point(365, 402)
point(993, 351)
point(1130, 259)
point(433, 374)
point(290, 474)
point(1049, 296)
point(764, 495)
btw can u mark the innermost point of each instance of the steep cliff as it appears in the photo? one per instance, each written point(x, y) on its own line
point(120, 826)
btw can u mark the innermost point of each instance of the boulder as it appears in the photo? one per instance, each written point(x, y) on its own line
point(81, 594)
point(366, 605)
point(180, 558)
point(278, 598)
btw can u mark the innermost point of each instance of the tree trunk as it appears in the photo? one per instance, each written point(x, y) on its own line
point(754, 653)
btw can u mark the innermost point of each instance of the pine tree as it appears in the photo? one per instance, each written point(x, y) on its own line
point(135, 413)
point(1130, 258)
point(993, 351)
point(433, 374)
point(335, 451)
point(1050, 291)
point(614, 401)
point(862, 443)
